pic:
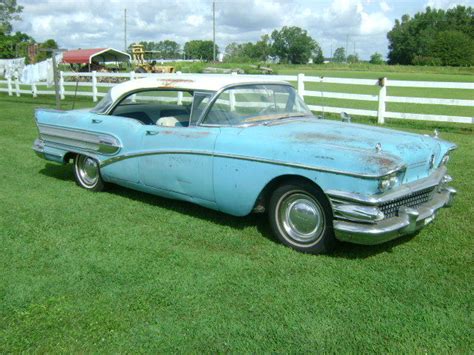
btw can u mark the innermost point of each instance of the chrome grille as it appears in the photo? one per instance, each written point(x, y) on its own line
point(390, 209)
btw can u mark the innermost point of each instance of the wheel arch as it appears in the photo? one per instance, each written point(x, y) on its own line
point(261, 203)
point(68, 157)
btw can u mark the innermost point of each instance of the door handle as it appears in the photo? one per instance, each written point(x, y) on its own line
point(96, 120)
point(152, 133)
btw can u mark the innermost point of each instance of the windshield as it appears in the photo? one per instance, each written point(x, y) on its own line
point(256, 103)
point(103, 104)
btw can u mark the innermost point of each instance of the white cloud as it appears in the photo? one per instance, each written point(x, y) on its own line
point(445, 4)
point(89, 23)
point(194, 20)
point(384, 6)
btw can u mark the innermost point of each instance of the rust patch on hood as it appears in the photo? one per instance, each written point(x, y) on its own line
point(381, 161)
point(314, 136)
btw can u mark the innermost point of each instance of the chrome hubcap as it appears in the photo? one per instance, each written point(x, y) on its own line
point(301, 217)
point(88, 170)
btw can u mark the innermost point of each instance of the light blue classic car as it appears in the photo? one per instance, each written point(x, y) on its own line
point(239, 145)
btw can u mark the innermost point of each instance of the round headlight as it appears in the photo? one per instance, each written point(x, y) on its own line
point(393, 181)
point(388, 182)
point(384, 184)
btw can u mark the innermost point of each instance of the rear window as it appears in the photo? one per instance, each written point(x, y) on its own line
point(103, 104)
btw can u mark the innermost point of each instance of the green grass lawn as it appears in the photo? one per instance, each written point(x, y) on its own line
point(123, 271)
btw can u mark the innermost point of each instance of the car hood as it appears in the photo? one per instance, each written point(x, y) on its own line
point(346, 147)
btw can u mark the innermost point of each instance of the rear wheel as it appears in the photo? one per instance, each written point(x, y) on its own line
point(87, 173)
point(301, 218)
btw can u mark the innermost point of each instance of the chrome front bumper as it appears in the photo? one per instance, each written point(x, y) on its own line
point(361, 221)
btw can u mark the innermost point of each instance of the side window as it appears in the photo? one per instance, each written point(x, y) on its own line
point(170, 108)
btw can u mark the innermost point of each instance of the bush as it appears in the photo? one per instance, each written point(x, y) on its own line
point(430, 61)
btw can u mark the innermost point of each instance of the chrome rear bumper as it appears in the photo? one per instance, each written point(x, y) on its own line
point(408, 221)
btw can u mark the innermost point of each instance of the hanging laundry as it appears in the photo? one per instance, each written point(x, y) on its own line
point(8, 67)
point(42, 71)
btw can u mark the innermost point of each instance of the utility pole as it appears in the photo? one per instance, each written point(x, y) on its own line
point(347, 43)
point(214, 31)
point(54, 52)
point(125, 30)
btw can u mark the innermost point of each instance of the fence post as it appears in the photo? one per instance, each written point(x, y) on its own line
point(301, 85)
point(382, 95)
point(17, 85)
point(34, 90)
point(132, 77)
point(9, 83)
point(61, 85)
point(94, 86)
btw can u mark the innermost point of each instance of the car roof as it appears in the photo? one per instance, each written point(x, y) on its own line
point(205, 82)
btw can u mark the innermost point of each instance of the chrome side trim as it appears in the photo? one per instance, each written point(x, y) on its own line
point(234, 156)
point(433, 180)
point(84, 140)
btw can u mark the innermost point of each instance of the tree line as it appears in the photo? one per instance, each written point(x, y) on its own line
point(430, 37)
point(433, 37)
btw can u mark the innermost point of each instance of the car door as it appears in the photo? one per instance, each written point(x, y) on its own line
point(179, 160)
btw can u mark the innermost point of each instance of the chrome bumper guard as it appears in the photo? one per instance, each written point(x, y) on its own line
point(364, 224)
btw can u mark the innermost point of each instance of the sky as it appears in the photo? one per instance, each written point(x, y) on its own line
point(360, 24)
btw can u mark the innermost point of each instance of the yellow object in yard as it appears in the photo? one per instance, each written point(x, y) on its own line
point(138, 52)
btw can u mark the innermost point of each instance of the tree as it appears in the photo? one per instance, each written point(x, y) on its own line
point(318, 57)
point(243, 52)
point(168, 49)
point(339, 55)
point(48, 44)
point(412, 40)
point(293, 45)
point(376, 58)
point(262, 48)
point(198, 49)
point(13, 46)
point(9, 11)
point(352, 58)
point(453, 48)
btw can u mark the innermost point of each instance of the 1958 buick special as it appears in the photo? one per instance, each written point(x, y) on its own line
point(239, 144)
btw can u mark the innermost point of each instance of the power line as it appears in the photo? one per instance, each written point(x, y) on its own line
point(125, 30)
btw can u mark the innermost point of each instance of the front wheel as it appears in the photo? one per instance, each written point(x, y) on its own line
point(87, 173)
point(301, 218)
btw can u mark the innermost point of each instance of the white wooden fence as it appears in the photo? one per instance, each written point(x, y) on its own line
point(13, 88)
